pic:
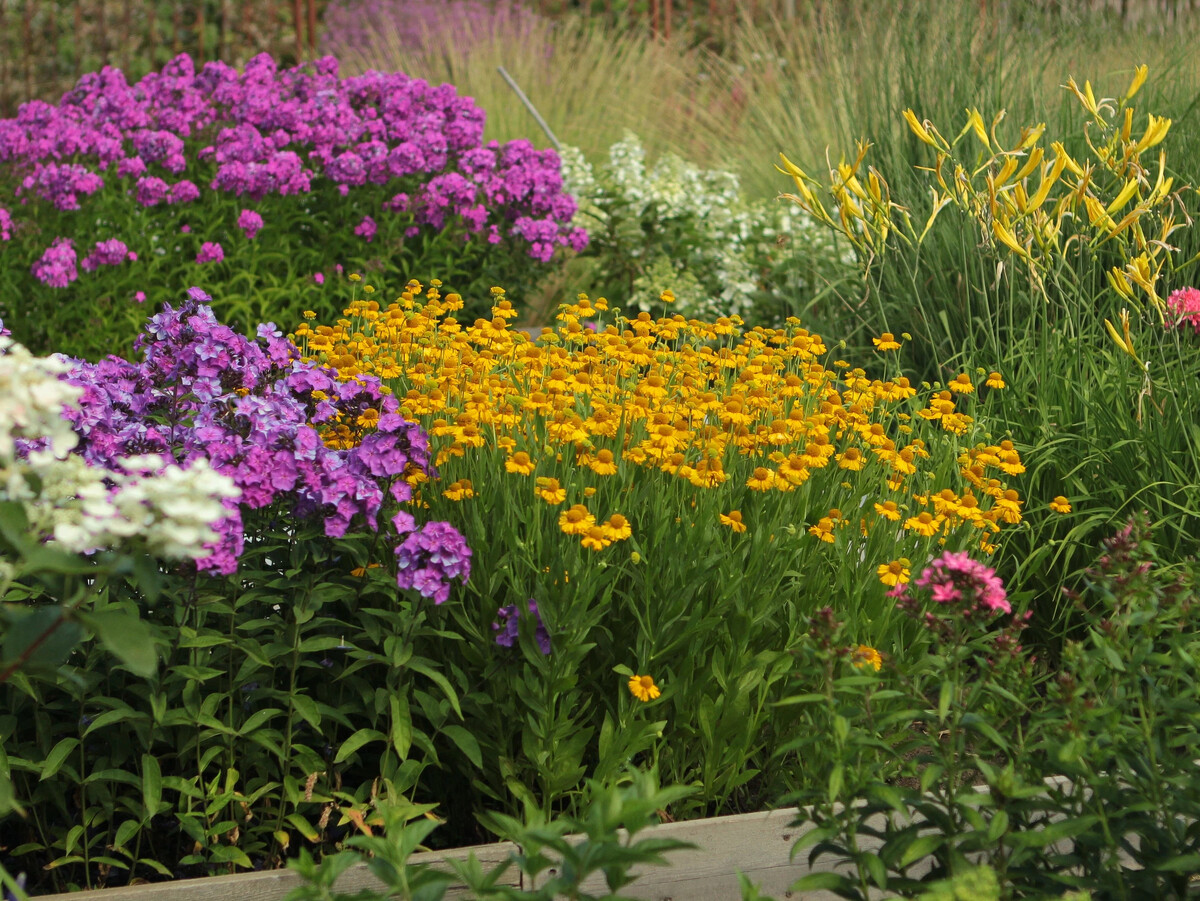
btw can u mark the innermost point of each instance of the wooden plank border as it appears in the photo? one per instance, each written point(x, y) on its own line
point(756, 844)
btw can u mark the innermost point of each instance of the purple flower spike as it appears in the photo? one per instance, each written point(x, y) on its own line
point(506, 627)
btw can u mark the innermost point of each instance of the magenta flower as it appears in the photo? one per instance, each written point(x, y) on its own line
point(319, 278)
point(250, 222)
point(1185, 305)
point(108, 253)
point(210, 252)
point(366, 229)
point(957, 579)
point(56, 268)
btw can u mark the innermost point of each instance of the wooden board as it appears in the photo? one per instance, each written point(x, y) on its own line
point(273, 885)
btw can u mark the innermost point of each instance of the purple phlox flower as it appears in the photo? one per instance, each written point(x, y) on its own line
point(151, 190)
point(56, 267)
point(507, 627)
point(250, 222)
point(6, 225)
point(107, 253)
point(366, 229)
point(428, 559)
point(182, 192)
point(210, 252)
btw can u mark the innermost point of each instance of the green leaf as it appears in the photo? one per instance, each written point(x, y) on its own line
point(402, 728)
point(921, 847)
point(48, 626)
point(425, 667)
point(127, 636)
point(466, 743)
point(151, 784)
point(57, 756)
point(356, 741)
point(1181, 863)
point(308, 709)
point(821, 880)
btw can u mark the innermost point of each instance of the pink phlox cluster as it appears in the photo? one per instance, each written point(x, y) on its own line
point(1184, 305)
point(954, 578)
point(250, 222)
point(56, 267)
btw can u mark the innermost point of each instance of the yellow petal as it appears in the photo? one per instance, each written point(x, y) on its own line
point(1139, 78)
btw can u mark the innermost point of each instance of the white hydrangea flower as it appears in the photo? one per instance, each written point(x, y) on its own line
point(81, 508)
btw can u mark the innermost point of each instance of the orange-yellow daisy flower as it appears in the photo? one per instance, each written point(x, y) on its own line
point(733, 520)
point(643, 688)
point(576, 520)
point(886, 341)
point(864, 655)
point(550, 491)
point(519, 463)
point(1060, 505)
point(895, 573)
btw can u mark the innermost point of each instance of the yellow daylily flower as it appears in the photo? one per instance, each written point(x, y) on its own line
point(1139, 78)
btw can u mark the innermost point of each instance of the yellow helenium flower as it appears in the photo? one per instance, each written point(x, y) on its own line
point(550, 491)
point(617, 528)
point(604, 464)
point(643, 688)
point(924, 524)
point(1060, 505)
point(864, 655)
point(761, 479)
point(961, 384)
point(594, 539)
point(576, 520)
point(886, 341)
point(994, 380)
point(823, 529)
point(519, 463)
point(460, 490)
point(894, 573)
point(733, 520)
point(888, 510)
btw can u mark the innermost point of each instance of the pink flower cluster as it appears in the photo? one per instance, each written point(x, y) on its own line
point(957, 579)
point(250, 222)
point(1184, 305)
point(108, 253)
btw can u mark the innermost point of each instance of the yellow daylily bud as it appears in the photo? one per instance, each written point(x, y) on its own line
point(1096, 214)
point(1156, 129)
point(873, 186)
point(1126, 342)
point(939, 204)
point(1030, 136)
point(1123, 196)
point(1021, 198)
point(975, 123)
point(1035, 159)
point(1006, 171)
point(1127, 126)
point(1139, 78)
point(919, 128)
point(1060, 152)
point(1120, 283)
point(1048, 181)
point(1131, 217)
point(1005, 236)
point(1086, 97)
